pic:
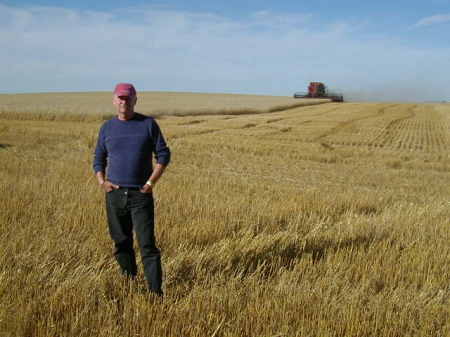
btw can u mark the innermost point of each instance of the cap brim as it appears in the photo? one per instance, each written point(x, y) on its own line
point(123, 93)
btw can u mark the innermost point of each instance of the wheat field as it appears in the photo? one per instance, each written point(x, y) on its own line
point(93, 106)
point(324, 220)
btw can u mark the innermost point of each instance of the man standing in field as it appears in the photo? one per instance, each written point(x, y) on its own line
point(124, 170)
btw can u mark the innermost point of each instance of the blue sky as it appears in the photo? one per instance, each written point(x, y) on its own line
point(385, 50)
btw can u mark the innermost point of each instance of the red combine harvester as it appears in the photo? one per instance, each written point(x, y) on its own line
point(318, 90)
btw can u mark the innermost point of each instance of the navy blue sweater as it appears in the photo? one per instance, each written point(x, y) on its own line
point(124, 149)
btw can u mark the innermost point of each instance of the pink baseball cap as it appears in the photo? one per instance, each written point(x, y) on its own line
point(124, 89)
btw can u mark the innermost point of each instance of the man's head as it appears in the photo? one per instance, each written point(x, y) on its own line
point(125, 99)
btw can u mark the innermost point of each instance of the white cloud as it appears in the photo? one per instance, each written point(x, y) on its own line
point(433, 20)
point(56, 49)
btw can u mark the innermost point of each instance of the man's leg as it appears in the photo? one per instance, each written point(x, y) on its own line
point(121, 231)
point(142, 214)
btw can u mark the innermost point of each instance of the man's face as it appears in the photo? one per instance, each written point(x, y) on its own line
point(125, 104)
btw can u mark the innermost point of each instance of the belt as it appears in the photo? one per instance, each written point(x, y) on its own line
point(130, 188)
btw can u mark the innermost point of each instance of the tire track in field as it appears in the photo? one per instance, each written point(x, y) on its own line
point(310, 116)
point(391, 134)
point(346, 124)
point(421, 130)
point(278, 130)
point(192, 134)
point(195, 121)
point(274, 120)
point(432, 131)
point(297, 123)
point(248, 125)
point(207, 132)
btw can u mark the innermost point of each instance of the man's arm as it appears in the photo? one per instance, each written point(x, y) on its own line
point(100, 163)
point(100, 177)
point(156, 174)
point(162, 154)
point(105, 184)
point(160, 148)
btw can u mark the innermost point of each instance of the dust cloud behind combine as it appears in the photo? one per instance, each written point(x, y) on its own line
point(400, 92)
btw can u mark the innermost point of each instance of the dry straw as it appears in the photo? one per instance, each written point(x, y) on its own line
point(327, 220)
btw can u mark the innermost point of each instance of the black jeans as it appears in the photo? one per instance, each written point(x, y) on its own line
point(128, 209)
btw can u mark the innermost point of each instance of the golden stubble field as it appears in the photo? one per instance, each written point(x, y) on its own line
point(325, 220)
point(94, 106)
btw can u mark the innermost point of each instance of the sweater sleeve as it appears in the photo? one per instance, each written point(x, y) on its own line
point(100, 154)
point(160, 148)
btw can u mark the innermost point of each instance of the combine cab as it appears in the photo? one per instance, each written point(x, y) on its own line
point(318, 90)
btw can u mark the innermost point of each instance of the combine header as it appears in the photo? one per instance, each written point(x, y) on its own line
point(318, 90)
